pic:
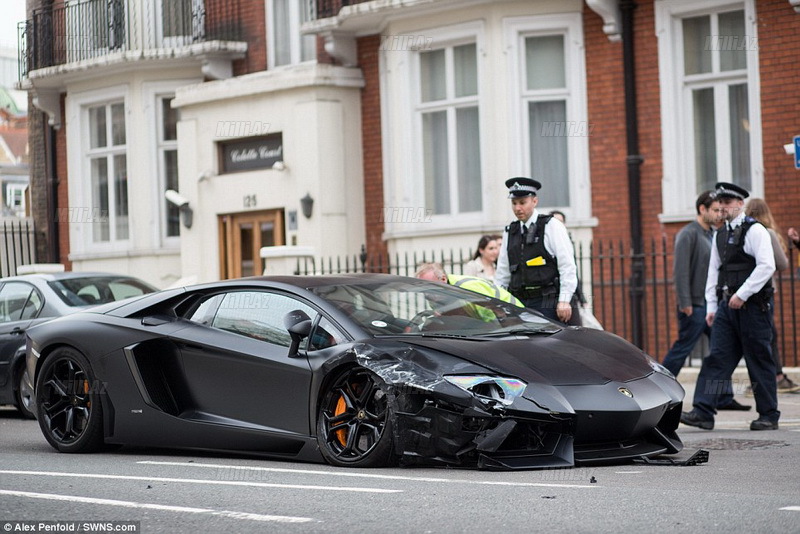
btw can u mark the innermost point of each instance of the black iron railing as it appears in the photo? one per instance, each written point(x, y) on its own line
point(17, 246)
point(604, 269)
point(84, 29)
point(329, 8)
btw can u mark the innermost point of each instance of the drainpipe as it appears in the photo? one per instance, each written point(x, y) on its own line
point(53, 251)
point(634, 161)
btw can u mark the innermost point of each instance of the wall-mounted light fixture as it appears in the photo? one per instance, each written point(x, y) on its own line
point(182, 203)
point(279, 166)
point(307, 205)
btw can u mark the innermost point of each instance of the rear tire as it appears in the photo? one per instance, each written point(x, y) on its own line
point(355, 421)
point(23, 394)
point(67, 403)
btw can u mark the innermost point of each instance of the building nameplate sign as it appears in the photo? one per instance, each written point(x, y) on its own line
point(250, 153)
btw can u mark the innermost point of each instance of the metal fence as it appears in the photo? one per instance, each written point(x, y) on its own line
point(17, 246)
point(604, 271)
point(83, 29)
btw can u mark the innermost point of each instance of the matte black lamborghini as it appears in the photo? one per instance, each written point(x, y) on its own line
point(356, 370)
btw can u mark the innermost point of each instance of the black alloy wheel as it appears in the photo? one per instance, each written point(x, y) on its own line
point(354, 427)
point(68, 404)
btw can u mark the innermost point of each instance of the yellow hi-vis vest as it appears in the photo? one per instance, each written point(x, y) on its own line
point(483, 287)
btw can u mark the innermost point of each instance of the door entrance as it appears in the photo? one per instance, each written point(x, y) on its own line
point(241, 236)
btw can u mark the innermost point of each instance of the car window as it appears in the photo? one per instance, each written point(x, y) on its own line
point(325, 335)
point(90, 290)
point(258, 314)
point(89, 294)
point(123, 289)
point(32, 307)
point(205, 312)
point(14, 302)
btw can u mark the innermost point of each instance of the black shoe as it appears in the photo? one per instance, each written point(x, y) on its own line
point(694, 418)
point(762, 423)
point(733, 405)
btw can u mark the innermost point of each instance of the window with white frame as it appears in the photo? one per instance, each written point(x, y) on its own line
point(167, 147)
point(15, 198)
point(447, 110)
point(708, 53)
point(107, 164)
point(544, 100)
point(714, 83)
point(286, 45)
point(549, 123)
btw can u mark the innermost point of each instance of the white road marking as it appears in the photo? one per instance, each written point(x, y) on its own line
point(791, 508)
point(245, 468)
point(196, 481)
point(627, 472)
point(161, 507)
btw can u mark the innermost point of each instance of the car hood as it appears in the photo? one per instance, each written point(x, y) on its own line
point(573, 356)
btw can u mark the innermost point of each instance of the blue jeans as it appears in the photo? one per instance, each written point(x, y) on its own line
point(690, 328)
point(746, 331)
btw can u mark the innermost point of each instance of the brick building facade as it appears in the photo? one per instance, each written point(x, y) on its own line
point(391, 109)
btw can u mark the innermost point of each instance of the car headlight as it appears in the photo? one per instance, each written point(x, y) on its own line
point(503, 390)
point(658, 368)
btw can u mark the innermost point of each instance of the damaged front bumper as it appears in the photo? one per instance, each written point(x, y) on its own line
point(469, 431)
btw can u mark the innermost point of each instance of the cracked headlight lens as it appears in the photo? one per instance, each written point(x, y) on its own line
point(503, 390)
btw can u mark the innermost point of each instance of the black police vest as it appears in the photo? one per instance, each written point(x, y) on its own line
point(531, 278)
point(735, 265)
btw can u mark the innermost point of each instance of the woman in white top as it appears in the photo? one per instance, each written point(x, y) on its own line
point(484, 261)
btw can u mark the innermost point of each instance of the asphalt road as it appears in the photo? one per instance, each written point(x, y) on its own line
point(751, 484)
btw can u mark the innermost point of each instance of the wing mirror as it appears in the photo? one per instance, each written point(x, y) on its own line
point(298, 323)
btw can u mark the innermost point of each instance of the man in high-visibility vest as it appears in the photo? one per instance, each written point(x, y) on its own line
point(434, 272)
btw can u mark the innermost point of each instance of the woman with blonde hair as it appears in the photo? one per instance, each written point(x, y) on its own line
point(758, 209)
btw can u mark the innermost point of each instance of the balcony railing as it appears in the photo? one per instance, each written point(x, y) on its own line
point(329, 8)
point(78, 30)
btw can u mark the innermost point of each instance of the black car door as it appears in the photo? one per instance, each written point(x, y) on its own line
point(20, 303)
point(236, 361)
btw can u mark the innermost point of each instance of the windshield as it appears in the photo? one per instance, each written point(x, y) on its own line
point(414, 307)
point(93, 290)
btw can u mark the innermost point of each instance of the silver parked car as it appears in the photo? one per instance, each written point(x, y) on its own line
point(31, 299)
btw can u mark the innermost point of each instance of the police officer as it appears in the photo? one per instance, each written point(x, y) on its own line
point(738, 294)
point(537, 261)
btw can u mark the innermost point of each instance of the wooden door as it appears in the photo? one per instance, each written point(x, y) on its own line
point(241, 237)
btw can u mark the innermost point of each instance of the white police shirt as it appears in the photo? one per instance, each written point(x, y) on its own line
point(558, 244)
point(758, 244)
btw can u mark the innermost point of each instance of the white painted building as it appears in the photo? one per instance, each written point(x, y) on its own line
point(314, 109)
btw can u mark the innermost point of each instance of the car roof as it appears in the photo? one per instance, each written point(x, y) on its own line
point(49, 277)
point(308, 281)
point(286, 282)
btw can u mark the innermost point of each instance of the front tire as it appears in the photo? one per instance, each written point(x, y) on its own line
point(67, 403)
point(355, 421)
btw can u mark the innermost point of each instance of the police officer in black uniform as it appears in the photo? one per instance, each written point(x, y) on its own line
point(537, 261)
point(738, 296)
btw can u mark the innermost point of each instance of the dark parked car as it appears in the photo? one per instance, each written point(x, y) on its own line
point(35, 298)
point(357, 370)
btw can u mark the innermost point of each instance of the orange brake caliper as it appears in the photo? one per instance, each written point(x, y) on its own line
point(341, 407)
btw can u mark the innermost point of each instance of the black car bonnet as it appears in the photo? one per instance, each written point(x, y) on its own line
point(573, 356)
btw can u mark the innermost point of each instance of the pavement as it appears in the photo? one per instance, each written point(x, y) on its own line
point(788, 403)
